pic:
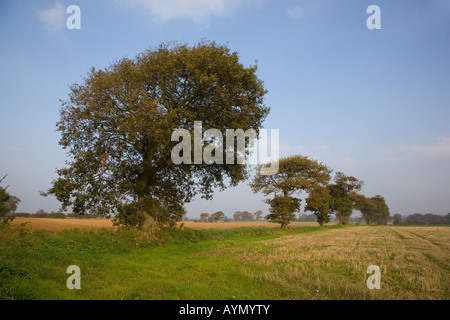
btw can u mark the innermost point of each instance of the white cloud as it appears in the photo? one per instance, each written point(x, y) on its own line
point(54, 19)
point(347, 162)
point(198, 11)
point(438, 152)
point(295, 12)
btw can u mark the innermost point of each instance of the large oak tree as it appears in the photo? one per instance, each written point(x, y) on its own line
point(117, 126)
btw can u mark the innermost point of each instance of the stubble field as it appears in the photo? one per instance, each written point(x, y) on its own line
point(56, 225)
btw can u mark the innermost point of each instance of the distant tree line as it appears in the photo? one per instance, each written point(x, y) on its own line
point(237, 216)
point(421, 219)
point(396, 219)
point(307, 217)
point(8, 206)
point(54, 215)
point(205, 217)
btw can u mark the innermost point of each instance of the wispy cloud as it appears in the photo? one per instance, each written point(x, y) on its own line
point(17, 150)
point(438, 152)
point(54, 17)
point(295, 12)
point(199, 11)
point(323, 149)
point(288, 150)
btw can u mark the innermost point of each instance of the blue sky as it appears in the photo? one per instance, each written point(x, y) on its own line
point(374, 104)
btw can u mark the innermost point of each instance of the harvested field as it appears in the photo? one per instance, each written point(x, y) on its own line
point(414, 262)
point(56, 225)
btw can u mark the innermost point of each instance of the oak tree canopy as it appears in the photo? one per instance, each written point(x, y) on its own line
point(117, 126)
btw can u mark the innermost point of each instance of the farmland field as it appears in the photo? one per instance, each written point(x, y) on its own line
point(55, 225)
point(305, 262)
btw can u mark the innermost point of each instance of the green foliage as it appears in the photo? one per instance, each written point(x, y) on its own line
point(318, 202)
point(242, 216)
point(8, 203)
point(341, 193)
point(282, 209)
point(217, 216)
point(258, 215)
point(4, 197)
point(422, 219)
point(81, 216)
point(117, 128)
point(381, 215)
point(397, 219)
point(374, 210)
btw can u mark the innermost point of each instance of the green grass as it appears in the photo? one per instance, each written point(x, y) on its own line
point(124, 264)
point(241, 263)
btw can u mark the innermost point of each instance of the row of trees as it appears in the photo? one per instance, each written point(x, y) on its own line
point(312, 218)
point(421, 219)
point(237, 216)
point(247, 216)
point(205, 217)
point(53, 215)
point(300, 174)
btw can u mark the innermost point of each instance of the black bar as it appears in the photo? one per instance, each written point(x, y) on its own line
point(221, 309)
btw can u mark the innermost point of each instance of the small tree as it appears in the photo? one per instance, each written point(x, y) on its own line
point(282, 210)
point(246, 216)
point(382, 210)
point(295, 175)
point(318, 202)
point(374, 210)
point(242, 216)
point(397, 219)
point(341, 192)
point(217, 216)
point(258, 215)
point(204, 216)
